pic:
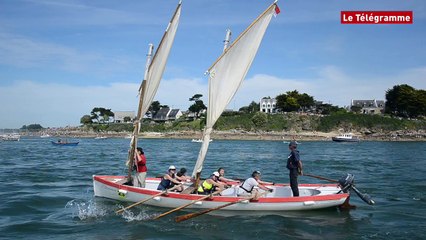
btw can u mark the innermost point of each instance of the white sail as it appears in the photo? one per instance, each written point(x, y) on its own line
point(227, 74)
point(152, 78)
point(158, 64)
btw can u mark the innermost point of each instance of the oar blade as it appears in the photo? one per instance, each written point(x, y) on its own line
point(188, 216)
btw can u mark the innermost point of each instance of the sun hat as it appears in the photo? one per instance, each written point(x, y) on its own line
point(216, 174)
point(172, 167)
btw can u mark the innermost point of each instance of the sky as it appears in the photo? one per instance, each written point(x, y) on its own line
point(61, 58)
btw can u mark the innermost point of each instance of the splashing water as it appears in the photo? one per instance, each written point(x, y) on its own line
point(129, 216)
point(86, 210)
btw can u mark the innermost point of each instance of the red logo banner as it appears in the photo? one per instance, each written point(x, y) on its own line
point(376, 17)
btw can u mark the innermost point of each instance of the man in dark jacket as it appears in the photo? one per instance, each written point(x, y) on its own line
point(294, 164)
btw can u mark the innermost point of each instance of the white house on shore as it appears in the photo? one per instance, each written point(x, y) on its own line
point(268, 105)
point(120, 115)
point(369, 106)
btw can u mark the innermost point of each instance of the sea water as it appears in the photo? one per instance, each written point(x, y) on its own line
point(46, 191)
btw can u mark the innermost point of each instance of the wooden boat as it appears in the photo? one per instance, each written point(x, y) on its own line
point(347, 137)
point(312, 196)
point(64, 143)
point(237, 57)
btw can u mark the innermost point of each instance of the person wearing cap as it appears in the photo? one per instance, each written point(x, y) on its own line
point(247, 188)
point(294, 165)
point(210, 184)
point(140, 162)
point(169, 181)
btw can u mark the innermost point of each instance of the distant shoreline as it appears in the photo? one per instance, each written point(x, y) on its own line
point(241, 135)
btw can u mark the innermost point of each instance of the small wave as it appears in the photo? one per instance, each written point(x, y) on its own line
point(86, 210)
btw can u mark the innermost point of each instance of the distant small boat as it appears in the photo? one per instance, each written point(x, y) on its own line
point(347, 137)
point(199, 140)
point(101, 137)
point(11, 137)
point(287, 142)
point(60, 143)
point(45, 135)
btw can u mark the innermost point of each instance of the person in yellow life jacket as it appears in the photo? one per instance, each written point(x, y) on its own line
point(210, 184)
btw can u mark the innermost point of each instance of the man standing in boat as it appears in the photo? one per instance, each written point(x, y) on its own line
point(294, 164)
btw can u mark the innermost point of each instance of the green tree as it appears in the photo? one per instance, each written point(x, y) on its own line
point(244, 109)
point(127, 119)
point(294, 101)
point(287, 103)
point(356, 109)
point(154, 107)
point(327, 109)
point(101, 115)
point(86, 119)
point(405, 101)
point(251, 108)
point(254, 107)
point(305, 101)
point(32, 127)
point(198, 105)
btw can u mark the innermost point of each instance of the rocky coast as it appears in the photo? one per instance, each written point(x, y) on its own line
point(402, 135)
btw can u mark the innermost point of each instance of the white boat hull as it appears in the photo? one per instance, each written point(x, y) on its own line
point(313, 196)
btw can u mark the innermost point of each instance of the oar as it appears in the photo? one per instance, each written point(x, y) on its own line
point(186, 205)
point(140, 202)
point(192, 215)
point(319, 177)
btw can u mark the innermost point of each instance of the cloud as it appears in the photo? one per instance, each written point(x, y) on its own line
point(25, 53)
point(176, 92)
point(331, 85)
point(56, 105)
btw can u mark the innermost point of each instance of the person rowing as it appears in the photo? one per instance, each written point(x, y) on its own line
point(222, 178)
point(211, 184)
point(181, 176)
point(169, 181)
point(247, 188)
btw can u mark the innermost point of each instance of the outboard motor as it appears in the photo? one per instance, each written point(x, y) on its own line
point(347, 183)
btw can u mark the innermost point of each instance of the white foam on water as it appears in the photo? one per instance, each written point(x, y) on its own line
point(86, 210)
point(129, 216)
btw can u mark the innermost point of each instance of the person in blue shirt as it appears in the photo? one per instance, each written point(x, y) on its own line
point(294, 164)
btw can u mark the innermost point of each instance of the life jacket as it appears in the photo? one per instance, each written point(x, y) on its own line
point(206, 186)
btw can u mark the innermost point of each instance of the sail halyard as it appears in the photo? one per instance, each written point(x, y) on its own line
point(227, 73)
point(153, 73)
